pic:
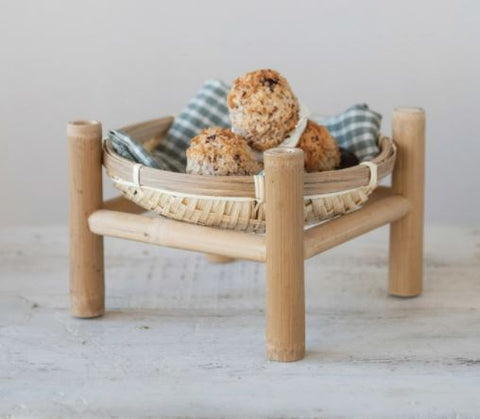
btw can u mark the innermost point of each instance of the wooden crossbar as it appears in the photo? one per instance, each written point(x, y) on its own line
point(119, 218)
point(383, 207)
point(164, 232)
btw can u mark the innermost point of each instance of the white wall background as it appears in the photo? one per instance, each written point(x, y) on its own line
point(126, 61)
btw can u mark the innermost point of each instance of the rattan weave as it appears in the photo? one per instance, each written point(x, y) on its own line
point(233, 202)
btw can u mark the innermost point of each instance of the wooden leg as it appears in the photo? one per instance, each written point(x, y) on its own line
point(212, 258)
point(87, 289)
point(285, 254)
point(406, 234)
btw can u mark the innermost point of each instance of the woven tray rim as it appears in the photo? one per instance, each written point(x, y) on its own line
point(119, 168)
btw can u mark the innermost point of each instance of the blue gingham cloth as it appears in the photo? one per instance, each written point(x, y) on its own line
point(206, 109)
point(355, 129)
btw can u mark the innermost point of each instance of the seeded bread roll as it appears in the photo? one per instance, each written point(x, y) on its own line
point(218, 151)
point(263, 108)
point(320, 148)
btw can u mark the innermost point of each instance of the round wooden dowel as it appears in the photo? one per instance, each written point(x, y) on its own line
point(406, 234)
point(87, 289)
point(212, 258)
point(285, 254)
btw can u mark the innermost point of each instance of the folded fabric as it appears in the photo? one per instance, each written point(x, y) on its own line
point(206, 109)
point(355, 129)
point(127, 147)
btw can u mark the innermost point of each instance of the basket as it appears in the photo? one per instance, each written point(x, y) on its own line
point(236, 202)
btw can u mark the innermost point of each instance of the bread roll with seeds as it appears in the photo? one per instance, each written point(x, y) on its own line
point(263, 108)
point(220, 152)
point(320, 148)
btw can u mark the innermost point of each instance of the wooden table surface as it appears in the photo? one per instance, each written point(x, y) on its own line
point(182, 337)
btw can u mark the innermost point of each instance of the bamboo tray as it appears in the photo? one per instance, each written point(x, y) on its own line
point(237, 202)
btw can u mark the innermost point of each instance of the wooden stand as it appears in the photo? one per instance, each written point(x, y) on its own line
point(284, 247)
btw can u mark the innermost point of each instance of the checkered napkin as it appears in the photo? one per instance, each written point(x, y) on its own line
point(355, 129)
point(206, 109)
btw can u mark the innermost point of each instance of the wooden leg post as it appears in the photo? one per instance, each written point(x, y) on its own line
point(87, 289)
point(285, 254)
point(406, 234)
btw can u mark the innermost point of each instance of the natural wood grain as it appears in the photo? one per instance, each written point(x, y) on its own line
point(144, 132)
point(87, 289)
point(382, 208)
point(123, 204)
point(406, 234)
point(212, 258)
point(284, 241)
point(164, 232)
